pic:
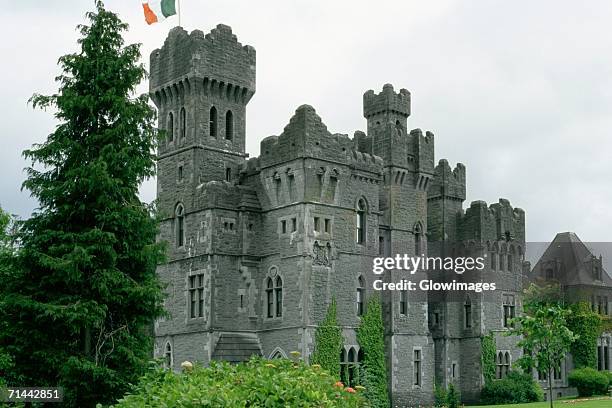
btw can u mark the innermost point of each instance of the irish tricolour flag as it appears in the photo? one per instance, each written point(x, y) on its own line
point(158, 10)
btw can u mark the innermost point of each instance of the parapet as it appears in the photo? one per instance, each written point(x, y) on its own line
point(307, 136)
point(386, 101)
point(447, 182)
point(216, 56)
point(498, 221)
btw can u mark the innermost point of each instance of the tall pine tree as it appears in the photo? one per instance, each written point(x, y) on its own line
point(81, 306)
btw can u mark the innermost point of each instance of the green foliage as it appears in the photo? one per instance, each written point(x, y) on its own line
point(545, 339)
point(450, 398)
point(371, 338)
point(328, 342)
point(538, 296)
point(488, 348)
point(453, 397)
point(257, 383)
point(587, 325)
point(80, 301)
point(515, 388)
point(440, 395)
point(589, 382)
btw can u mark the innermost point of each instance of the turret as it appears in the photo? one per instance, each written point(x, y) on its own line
point(201, 85)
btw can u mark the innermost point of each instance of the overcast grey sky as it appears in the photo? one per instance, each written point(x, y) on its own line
point(518, 91)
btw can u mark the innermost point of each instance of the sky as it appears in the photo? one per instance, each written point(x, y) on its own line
point(520, 91)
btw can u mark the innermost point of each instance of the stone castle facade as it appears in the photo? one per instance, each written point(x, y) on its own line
point(258, 247)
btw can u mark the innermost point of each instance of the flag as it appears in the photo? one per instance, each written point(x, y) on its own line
point(158, 10)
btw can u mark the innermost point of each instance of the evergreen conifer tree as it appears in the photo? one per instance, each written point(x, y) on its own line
point(80, 308)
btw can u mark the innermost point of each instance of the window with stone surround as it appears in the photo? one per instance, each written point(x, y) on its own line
point(360, 295)
point(350, 366)
point(403, 302)
point(168, 356)
point(270, 298)
point(212, 122)
point(229, 125)
point(278, 294)
point(360, 233)
point(182, 124)
point(196, 296)
point(416, 368)
point(467, 313)
point(179, 214)
point(502, 364)
point(508, 309)
point(170, 127)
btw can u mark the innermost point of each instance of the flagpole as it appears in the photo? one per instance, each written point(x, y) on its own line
point(179, 12)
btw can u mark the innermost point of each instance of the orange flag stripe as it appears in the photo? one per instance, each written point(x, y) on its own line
point(150, 16)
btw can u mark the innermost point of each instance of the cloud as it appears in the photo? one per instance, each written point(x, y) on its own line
point(520, 92)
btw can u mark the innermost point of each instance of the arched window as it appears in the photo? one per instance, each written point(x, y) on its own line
point(506, 364)
point(418, 239)
point(168, 356)
point(170, 127)
point(182, 123)
point(180, 225)
point(343, 366)
point(468, 313)
point(510, 260)
point(212, 123)
point(360, 295)
point(277, 354)
point(361, 221)
point(278, 291)
point(270, 297)
point(499, 364)
point(229, 125)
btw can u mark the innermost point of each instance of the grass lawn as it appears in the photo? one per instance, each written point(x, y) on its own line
point(595, 402)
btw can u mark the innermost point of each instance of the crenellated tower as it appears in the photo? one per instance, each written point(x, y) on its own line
point(201, 85)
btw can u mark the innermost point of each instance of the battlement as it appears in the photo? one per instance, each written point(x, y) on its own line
point(223, 64)
point(386, 101)
point(307, 136)
point(447, 182)
point(498, 221)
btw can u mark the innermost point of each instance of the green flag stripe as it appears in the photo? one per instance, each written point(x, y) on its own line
point(168, 7)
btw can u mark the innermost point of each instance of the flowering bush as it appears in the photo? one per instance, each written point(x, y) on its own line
point(257, 383)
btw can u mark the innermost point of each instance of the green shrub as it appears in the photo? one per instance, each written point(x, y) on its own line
point(439, 396)
point(589, 382)
point(371, 338)
point(450, 398)
point(453, 397)
point(516, 388)
point(257, 383)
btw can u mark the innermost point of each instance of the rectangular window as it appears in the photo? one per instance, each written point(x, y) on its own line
point(381, 245)
point(509, 313)
point(454, 371)
point(327, 225)
point(283, 226)
point(294, 224)
point(599, 304)
point(468, 315)
point(228, 174)
point(317, 224)
point(417, 367)
point(196, 296)
point(180, 173)
point(436, 317)
point(403, 302)
point(270, 298)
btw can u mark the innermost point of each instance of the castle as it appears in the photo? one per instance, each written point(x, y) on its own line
point(258, 247)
